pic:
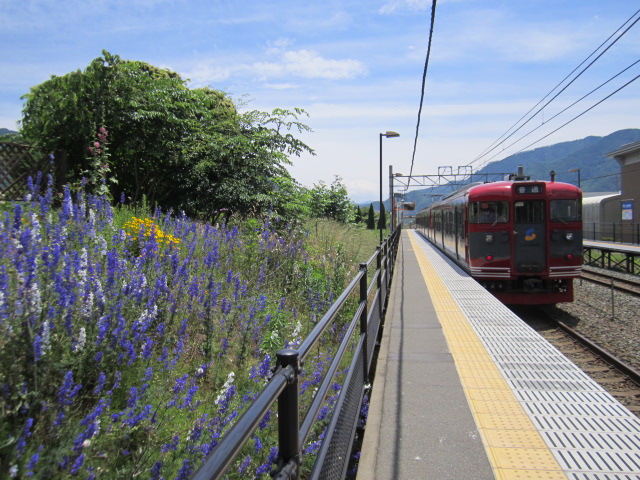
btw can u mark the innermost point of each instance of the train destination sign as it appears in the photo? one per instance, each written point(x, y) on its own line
point(528, 189)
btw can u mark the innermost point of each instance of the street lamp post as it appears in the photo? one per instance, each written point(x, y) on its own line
point(388, 135)
point(576, 170)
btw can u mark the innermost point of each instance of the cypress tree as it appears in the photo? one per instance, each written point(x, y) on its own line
point(371, 219)
point(358, 213)
point(382, 221)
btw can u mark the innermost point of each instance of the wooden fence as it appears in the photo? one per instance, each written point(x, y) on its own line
point(17, 163)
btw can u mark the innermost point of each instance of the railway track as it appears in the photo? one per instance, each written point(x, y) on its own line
point(619, 379)
point(632, 287)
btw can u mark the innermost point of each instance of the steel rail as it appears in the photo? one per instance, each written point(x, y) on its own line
point(628, 286)
point(614, 361)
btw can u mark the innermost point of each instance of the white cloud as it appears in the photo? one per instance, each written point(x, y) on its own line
point(395, 5)
point(281, 86)
point(308, 64)
point(482, 34)
point(360, 190)
point(278, 46)
point(206, 73)
point(290, 64)
point(317, 17)
point(361, 111)
point(412, 5)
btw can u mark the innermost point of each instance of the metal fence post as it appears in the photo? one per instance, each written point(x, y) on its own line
point(363, 322)
point(386, 265)
point(613, 302)
point(379, 279)
point(288, 423)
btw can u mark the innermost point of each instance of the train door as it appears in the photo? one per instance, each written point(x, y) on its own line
point(529, 236)
point(457, 231)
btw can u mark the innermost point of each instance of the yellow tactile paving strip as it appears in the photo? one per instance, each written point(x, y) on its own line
point(514, 446)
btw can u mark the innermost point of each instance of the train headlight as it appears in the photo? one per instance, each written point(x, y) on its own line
point(488, 238)
point(568, 236)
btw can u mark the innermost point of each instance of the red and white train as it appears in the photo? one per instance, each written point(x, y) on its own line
point(520, 239)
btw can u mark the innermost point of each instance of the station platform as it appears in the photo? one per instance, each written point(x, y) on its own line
point(612, 255)
point(464, 389)
point(617, 247)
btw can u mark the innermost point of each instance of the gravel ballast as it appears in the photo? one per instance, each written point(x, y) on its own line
point(612, 322)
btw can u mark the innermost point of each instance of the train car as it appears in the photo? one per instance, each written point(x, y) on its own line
point(520, 239)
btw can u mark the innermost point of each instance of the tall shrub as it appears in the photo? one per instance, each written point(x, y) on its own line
point(187, 149)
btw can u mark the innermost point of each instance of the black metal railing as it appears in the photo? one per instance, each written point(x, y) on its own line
point(617, 232)
point(333, 456)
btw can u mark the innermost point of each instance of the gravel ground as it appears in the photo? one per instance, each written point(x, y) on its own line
point(614, 325)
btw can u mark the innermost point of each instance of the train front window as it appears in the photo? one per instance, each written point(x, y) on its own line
point(488, 212)
point(566, 210)
point(529, 211)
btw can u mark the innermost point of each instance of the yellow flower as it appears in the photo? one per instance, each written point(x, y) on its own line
point(136, 227)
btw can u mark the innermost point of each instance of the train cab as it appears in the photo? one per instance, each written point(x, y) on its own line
point(521, 239)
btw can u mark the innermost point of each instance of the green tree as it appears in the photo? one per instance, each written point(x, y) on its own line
point(371, 218)
point(332, 201)
point(181, 148)
point(11, 137)
point(382, 219)
point(243, 170)
point(358, 214)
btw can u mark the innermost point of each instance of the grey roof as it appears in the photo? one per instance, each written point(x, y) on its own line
point(625, 150)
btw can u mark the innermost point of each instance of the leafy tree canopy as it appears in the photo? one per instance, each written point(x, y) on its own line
point(331, 201)
point(136, 129)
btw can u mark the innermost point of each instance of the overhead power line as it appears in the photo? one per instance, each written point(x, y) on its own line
point(618, 174)
point(567, 108)
point(506, 135)
point(424, 81)
point(579, 115)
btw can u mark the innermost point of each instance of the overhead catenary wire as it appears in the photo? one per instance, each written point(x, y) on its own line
point(424, 81)
point(567, 108)
point(579, 115)
point(502, 139)
point(617, 174)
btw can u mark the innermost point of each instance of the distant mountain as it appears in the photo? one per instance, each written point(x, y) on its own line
point(588, 154)
point(598, 173)
point(6, 131)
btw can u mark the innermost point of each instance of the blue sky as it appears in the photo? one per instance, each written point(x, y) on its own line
point(355, 66)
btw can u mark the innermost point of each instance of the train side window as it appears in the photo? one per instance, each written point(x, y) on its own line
point(529, 211)
point(488, 212)
point(566, 210)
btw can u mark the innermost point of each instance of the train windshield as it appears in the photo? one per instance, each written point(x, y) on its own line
point(529, 211)
point(566, 210)
point(488, 212)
